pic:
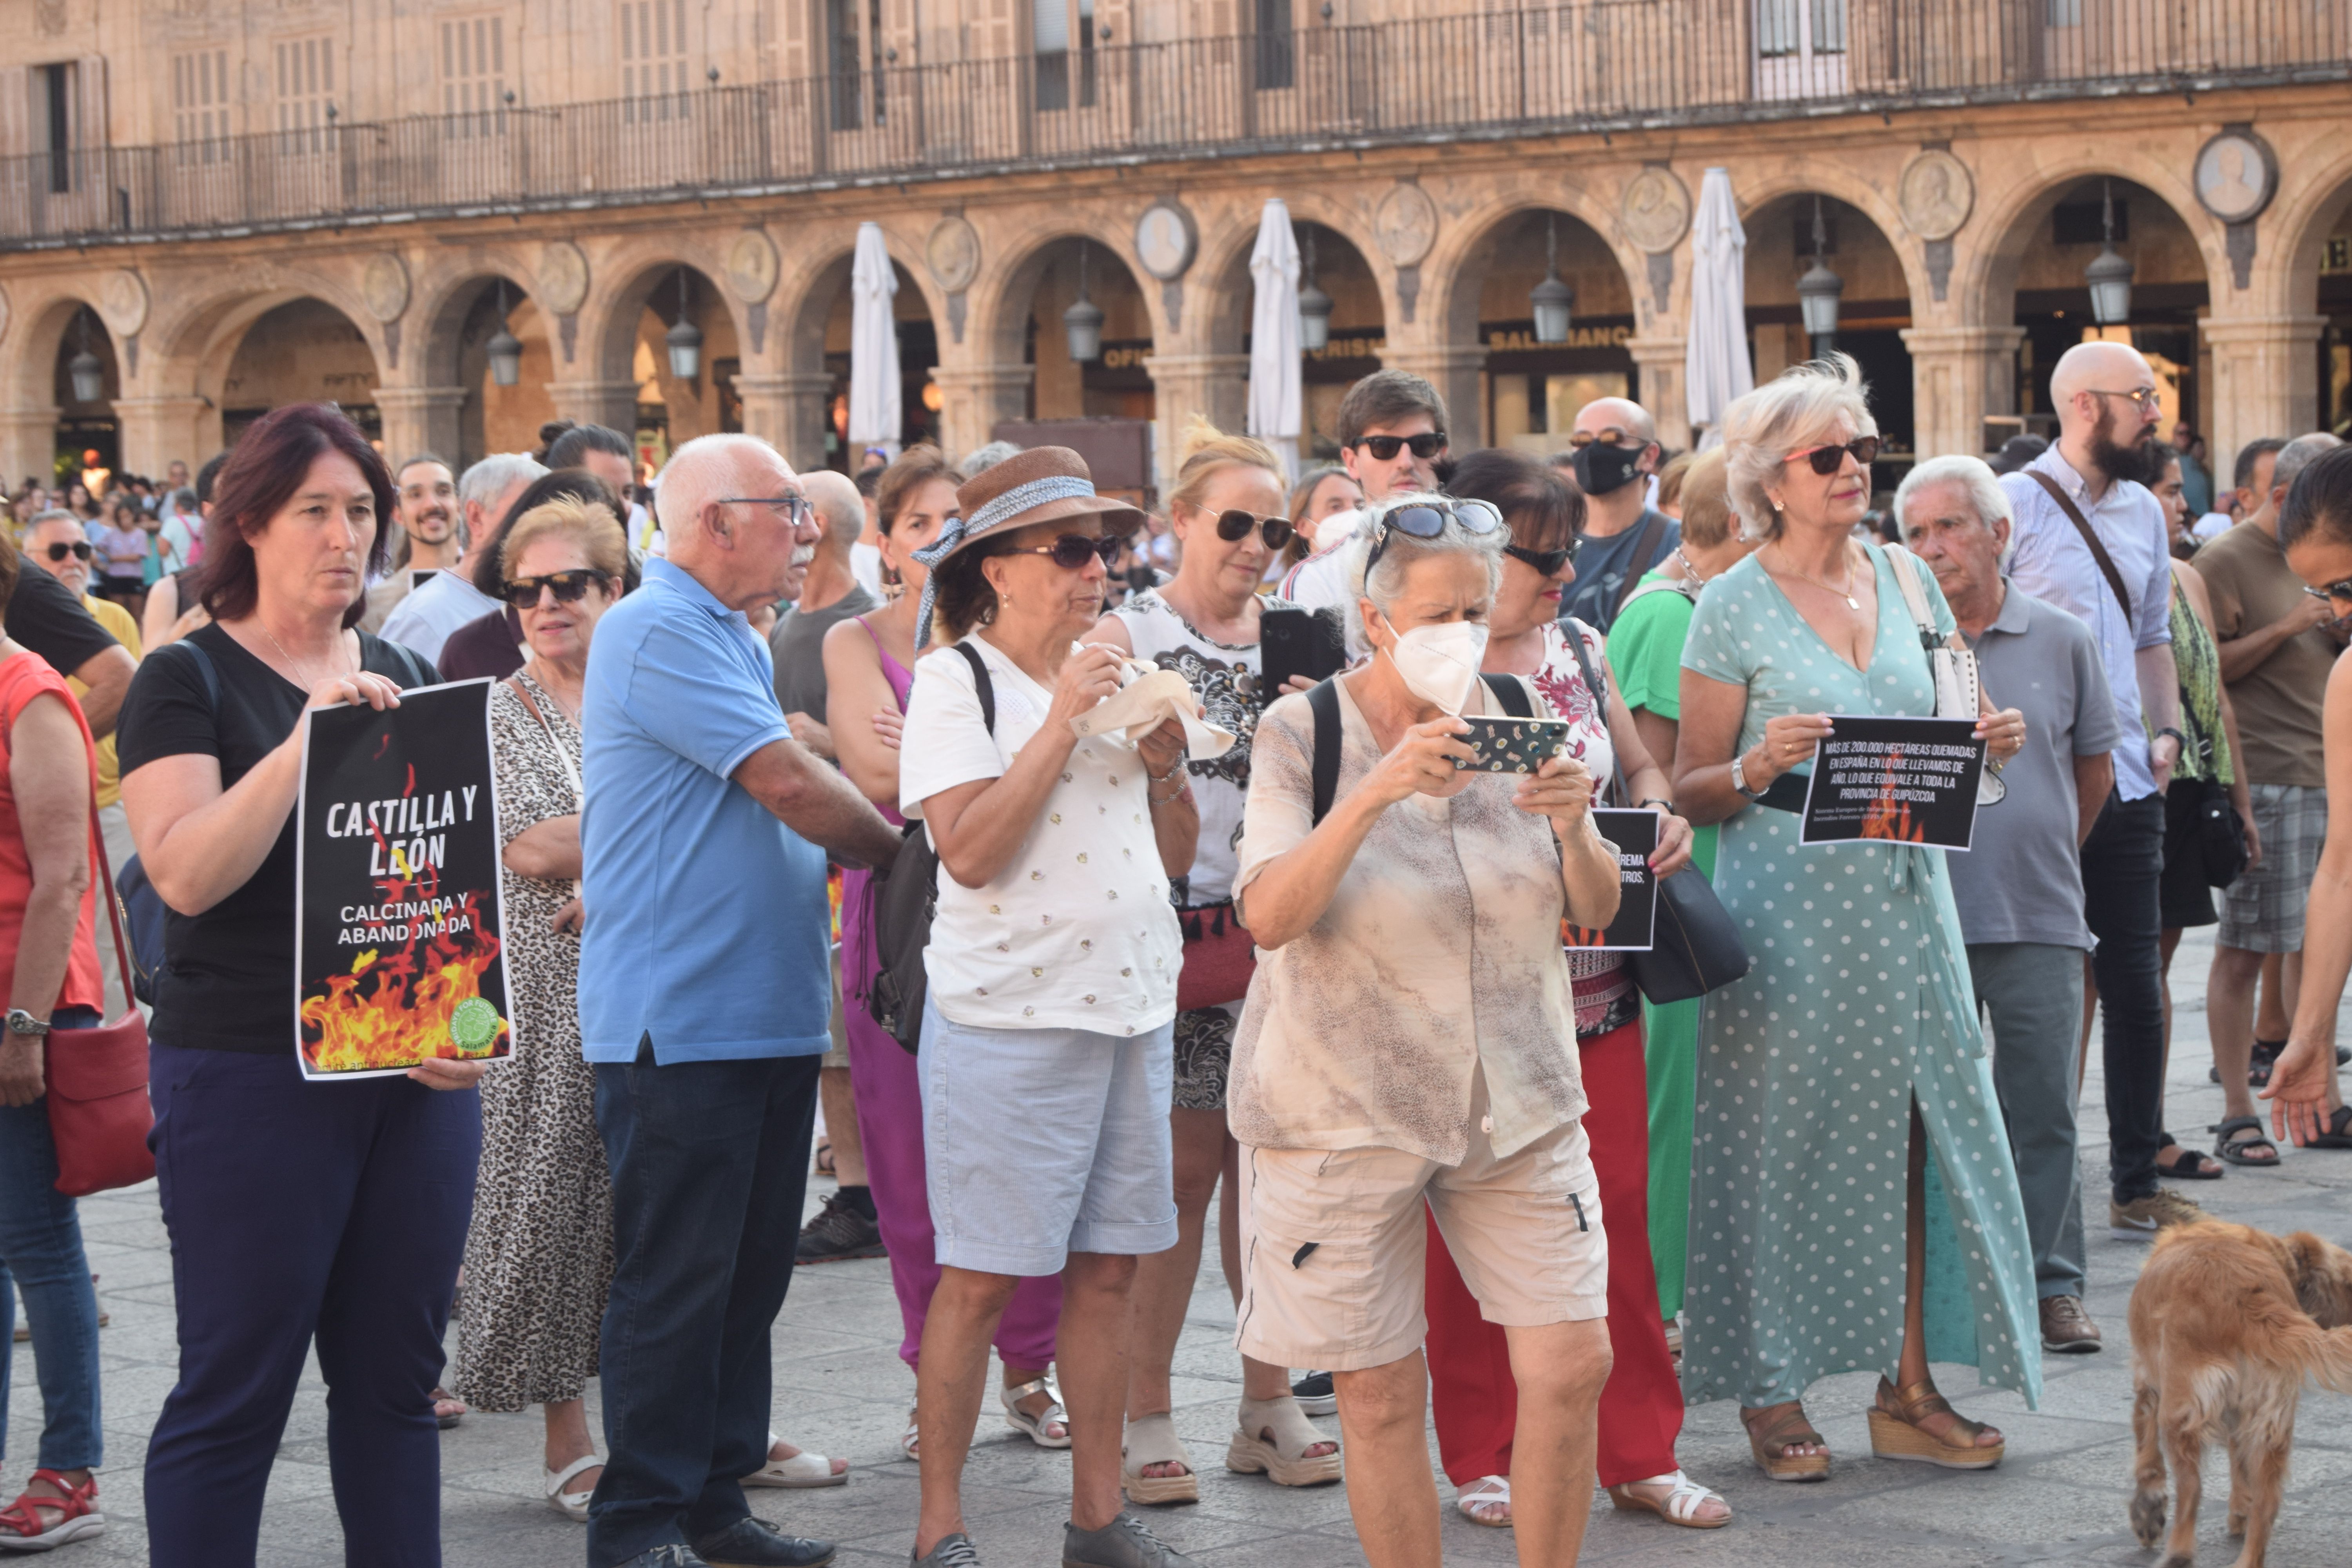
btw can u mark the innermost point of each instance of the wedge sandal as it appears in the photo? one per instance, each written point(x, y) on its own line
point(1152, 1440)
point(1769, 1441)
point(1271, 1439)
point(1895, 1433)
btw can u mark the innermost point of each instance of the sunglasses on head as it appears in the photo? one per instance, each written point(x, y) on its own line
point(1425, 445)
point(568, 588)
point(1828, 459)
point(1427, 520)
point(79, 549)
point(1235, 524)
point(1546, 562)
point(1071, 551)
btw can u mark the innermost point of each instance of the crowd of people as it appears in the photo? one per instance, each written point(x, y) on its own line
point(1276, 951)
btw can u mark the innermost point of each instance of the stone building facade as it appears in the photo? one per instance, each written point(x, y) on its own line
point(230, 204)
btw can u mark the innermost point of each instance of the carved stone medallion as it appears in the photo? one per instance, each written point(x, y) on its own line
point(122, 302)
point(1166, 239)
point(1654, 210)
point(383, 285)
point(2237, 174)
point(952, 253)
point(1405, 225)
point(752, 266)
point(562, 276)
point(1936, 193)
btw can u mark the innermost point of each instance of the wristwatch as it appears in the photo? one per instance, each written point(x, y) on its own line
point(1665, 805)
point(22, 1022)
point(1740, 778)
point(2178, 739)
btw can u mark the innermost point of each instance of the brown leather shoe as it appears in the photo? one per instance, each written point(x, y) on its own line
point(2066, 1328)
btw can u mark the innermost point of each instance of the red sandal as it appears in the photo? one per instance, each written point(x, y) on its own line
point(21, 1527)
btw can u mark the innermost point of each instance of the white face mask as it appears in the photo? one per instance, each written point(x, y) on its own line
point(1440, 663)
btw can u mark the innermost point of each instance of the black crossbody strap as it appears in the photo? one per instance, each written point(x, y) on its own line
point(2090, 537)
point(1638, 566)
point(1512, 693)
point(1601, 700)
point(981, 685)
point(1323, 700)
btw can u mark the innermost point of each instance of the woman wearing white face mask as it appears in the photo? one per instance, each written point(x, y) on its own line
point(1411, 1035)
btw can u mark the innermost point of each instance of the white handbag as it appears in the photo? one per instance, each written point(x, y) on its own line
point(1958, 686)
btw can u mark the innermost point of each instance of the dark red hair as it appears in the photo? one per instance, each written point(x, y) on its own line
point(263, 469)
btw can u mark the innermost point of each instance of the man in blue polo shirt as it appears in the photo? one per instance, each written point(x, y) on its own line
point(704, 997)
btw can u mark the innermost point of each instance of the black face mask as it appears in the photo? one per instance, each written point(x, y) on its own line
point(1600, 469)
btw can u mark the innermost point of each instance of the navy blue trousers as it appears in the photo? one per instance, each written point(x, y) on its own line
point(710, 1164)
point(299, 1211)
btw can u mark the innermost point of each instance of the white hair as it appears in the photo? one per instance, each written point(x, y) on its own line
point(2297, 455)
point(987, 458)
point(1796, 409)
point(1972, 474)
point(1386, 579)
point(489, 480)
point(703, 470)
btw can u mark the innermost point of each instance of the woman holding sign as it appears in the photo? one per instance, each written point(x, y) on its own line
point(297, 1210)
point(1856, 1036)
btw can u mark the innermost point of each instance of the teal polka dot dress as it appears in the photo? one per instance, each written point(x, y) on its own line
point(1859, 1002)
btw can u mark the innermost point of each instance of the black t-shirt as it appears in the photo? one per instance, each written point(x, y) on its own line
point(227, 982)
point(45, 615)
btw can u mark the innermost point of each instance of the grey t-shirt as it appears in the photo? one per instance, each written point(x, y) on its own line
point(798, 645)
point(2022, 881)
point(1604, 565)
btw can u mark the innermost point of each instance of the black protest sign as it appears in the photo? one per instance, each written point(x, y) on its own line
point(1636, 834)
point(398, 949)
point(1909, 781)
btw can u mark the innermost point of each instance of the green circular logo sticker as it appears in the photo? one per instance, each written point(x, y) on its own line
point(474, 1026)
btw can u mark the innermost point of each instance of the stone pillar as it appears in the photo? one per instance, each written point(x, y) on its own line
point(1959, 376)
point(2264, 381)
point(420, 419)
point(157, 429)
point(973, 398)
point(1454, 370)
point(28, 444)
point(788, 412)
point(612, 403)
point(1659, 362)
point(1214, 386)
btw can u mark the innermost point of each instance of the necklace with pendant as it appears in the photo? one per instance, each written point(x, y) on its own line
point(1846, 592)
point(308, 685)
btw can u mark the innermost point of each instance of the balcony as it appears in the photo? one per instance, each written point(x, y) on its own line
point(1596, 65)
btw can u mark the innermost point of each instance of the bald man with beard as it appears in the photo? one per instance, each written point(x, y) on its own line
point(2090, 538)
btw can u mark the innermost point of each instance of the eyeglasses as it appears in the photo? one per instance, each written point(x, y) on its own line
point(1427, 520)
point(1607, 435)
point(2146, 397)
point(1072, 550)
point(1425, 445)
point(79, 549)
point(1827, 460)
point(796, 509)
point(1546, 562)
point(568, 588)
point(1236, 524)
point(2335, 593)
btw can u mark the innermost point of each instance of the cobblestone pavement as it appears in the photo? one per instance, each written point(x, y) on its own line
point(840, 1388)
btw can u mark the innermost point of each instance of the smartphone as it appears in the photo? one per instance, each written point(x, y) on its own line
point(1292, 641)
point(1508, 745)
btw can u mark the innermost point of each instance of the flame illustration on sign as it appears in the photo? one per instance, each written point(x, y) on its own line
point(1888, 818)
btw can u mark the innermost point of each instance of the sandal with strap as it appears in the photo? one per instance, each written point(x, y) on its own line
point(2187, 1164)
point(1020, 1420)
point(803, 1471)
point(1152, 1440)
point(1770, 1440)
point(1895, 1433)
point(2236, 1149)
point(573, 1506)
point(911, 1441)
point(1272, 1438)
point(2339, 1131)
point(1679, 1506)
point(1482, 1494)
point(22, 1528)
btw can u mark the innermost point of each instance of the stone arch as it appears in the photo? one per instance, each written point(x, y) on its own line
point(810, 343)
point(2310, 307)
point(454, 316)
point(1883, 300)
point(618, 373)
point(2008, 218)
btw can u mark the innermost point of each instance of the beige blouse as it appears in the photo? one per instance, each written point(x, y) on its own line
point(1439, 953)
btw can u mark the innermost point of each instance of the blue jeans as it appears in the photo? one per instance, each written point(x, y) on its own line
point(710, 1164)
point(40, 1247)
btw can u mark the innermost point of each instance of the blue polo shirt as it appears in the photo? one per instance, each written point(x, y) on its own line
point(708, 927)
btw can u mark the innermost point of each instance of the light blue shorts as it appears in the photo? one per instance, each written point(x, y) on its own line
point(1042, 1142)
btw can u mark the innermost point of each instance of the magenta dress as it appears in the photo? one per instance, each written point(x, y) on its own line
point(890, 1121)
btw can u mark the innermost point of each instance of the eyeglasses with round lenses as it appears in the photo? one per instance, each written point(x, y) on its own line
point(2146, 397)
point(1828, 459)
point(1235, 524)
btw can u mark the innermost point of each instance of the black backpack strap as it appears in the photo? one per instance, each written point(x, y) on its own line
point(1646, 555)
point(1512, 693)
point(1324, 700)
point(204, 667)
point(981, 685)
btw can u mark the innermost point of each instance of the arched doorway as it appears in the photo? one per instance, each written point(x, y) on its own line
point(304, 351)
point(1359, 331)
point(85, 423)
point(644, 348)
point(1873, 307)
point(1533, 389)
point(919, 400)
point(1102, 403)
point(494, 417)
point(2320, 283)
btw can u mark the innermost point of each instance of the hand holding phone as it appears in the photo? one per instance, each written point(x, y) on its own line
point(1508, 745)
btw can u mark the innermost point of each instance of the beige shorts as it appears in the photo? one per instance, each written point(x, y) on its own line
point(839, 1056)
point(1333, 1244)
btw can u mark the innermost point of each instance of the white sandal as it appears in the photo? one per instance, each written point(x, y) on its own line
point(911, 1441)
point(1033, 1426)
point(573, 1506)
point(801, 1472)
point(1679, 1506)
point(1483, 1490)
point(1282, 1456)
point(1152, 1440)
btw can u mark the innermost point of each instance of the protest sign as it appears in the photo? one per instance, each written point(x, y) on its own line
point(1636, 834)
point(1913, 781)
point(398, 949)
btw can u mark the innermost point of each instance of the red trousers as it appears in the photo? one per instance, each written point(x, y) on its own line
point(1475, 1401)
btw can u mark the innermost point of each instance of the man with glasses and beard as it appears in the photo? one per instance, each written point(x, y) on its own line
point(1613, 452)
point(2090, 538)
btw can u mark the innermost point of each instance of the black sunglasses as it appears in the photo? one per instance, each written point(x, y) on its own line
point(1071, 551)
point(1425, 445)
point(2335, 593)
point(1546, 562)
point(1827, 460)
point(1236, 523)
point(1427, 520)
point(79, 549)
point(568, 588)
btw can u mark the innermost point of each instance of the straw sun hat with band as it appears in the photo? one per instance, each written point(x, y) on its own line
point(1043, 484)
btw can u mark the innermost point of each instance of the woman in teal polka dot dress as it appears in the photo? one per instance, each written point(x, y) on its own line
point(1823, 1235)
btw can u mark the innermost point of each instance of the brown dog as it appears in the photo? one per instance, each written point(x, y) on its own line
point(2226, 1322)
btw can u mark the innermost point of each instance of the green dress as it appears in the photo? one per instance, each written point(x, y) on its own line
point(1646, 656)
point(1859, 1004)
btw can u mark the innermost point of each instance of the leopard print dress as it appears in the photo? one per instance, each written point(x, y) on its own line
point(539, 1255)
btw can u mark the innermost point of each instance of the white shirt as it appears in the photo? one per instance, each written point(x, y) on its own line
point(1321, 582)
point(1075, 932)
point(2212, 526)
point(423, 620)
point(866, 565)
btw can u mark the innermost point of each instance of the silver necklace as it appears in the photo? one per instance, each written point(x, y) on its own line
point(289, 658)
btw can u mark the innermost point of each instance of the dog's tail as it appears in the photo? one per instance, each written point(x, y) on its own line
point(2324, 1355)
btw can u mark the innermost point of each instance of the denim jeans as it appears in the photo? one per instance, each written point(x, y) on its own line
point(40, 1248)
point(2122, 865)
point(710, 1164)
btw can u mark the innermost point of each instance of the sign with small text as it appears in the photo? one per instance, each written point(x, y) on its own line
point(1636, 834)
point(1905, 781)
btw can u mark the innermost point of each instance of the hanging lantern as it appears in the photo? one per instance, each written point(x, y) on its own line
point(1551, 300)
point(505, 349)
point(1083, 321)
point(2109, 273)
point(1818, 289)
point(1314, 307)
point(89, 376)
point(684, 340)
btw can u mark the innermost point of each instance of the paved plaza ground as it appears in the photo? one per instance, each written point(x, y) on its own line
point(840, 1388)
